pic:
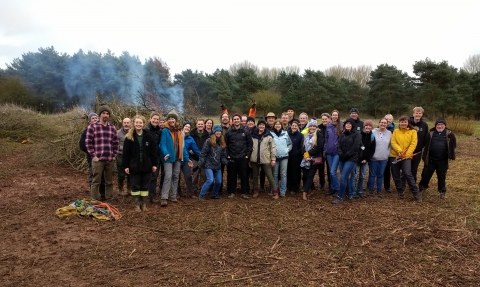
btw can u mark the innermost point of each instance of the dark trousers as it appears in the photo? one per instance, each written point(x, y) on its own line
point(386, 176)
point(403, 170)
point(140, 182)
point(415, 163)
point(321, 174)
point(438, 166)
point(294, 175)
point(152, 187)
point(187, 174)
point(234, 169)
point(308, 176)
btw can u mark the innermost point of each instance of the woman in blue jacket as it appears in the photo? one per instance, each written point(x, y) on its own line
point(283, 145)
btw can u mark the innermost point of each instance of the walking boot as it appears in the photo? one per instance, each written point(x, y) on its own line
point(275, 194)
point(255, 193)
point(120, 188)
point(137, 203)
point(143, 202)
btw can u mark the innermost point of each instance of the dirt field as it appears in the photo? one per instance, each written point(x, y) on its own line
point(259, 242)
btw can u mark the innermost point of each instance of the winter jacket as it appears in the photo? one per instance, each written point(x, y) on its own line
point(121, 133)
point(295, 153)
point(282, 143)
point(200, 141)
point(264, 149)
point(331, 139)
point(367, 149)
point(451, 144)
point(155, 133)
point(131, 154)
point(317, 150)
point(403, 141)
point(212, 157)
point(239, 143)
point(422, 131)
point(190, 145)
point(382, 144)
point(349, 144)
point(167, 146)
point(357, 125)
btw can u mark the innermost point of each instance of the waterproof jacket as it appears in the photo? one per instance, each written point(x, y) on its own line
point(422, 131)
point(167, 146)
point(403, 141)
point(295, 153)
point(132, 152)
point(357, 125)
point(317, 150)
point(155, 133)
point(367, 149)
point(191, 145)
point(239, 142)
point(200, 141)
point(282, 143)
point(212, 157)
point(449, 138)
point(331, 139)
point(349, 144)
point(264, 148)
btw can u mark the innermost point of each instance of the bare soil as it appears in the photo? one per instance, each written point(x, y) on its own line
point(236, 242)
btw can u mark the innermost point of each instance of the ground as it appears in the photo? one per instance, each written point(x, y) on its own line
point(259, 242)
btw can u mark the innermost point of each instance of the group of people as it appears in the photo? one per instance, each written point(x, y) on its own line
point(286, 151)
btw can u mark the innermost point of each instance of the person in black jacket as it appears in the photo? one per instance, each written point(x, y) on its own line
point(294, 171)
point(439, 148)
point(140, 159)
point(422, 131)
point(239, 147)
point(387, 174)
point(367, 149)
point(312, 146)
point(349, 144)
point(154, 129)
point(92, 118)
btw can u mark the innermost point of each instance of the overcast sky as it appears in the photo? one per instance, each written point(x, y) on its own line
point(206, 35)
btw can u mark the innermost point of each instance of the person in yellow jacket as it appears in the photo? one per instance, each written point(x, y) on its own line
point(403, 142)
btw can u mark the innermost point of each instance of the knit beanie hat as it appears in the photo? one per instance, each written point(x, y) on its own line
point(90, 115)
point(261, 121)
point(104, 108)
point(312, 123)
point(354, 110)
point(251, 119)
point(440, 121)
point(368, 123)
point(237, 115)
point(186, 123)
point(217, 128)
point(172, 116)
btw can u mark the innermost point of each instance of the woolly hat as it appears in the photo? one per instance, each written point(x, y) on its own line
point(290, 108)
point(172, 116)
point(90, 115)
point(440, 121)
point(237, 115)
point(217, 128)
point(261, 121)
point(368, 123)
point(104, 108)
point(186, 123)
point(349, 120)
point(312, 123)
point(251, 119)
point(354, 110)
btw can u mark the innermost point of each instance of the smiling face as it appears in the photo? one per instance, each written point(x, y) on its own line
point(138, 124)
point(186, 128)
point(290, 113)
point(277, 126)
point(325, 120)
point(126, 124)
point(261, 128)
point(225, 119)
point(403, 124)
point(417, 115)
point(348, 126)
point(200, 125)
point(244, 121)
point(285, 119)
point(303, 119)
point(237, 121)
point(154, 121)
point(171, 122)
point(334, 117)
point(93, 119)
point(312, 129)
point(294, 127)
point(368, 128)
point(382, 125)
point(209, 125)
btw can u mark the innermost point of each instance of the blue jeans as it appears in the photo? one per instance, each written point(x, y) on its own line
point(346, 170)
point(361, 178)
point(377, 169)
point(281, 164)
point(212, 175)
point(333, 165)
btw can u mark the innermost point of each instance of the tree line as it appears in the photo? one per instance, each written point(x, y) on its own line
point(50, 81)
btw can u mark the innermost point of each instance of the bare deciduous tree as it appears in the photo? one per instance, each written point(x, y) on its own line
point(360, 74)
point(472, 64)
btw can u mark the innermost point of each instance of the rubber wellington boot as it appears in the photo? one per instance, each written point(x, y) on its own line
point(137, 203)
point(143, 201)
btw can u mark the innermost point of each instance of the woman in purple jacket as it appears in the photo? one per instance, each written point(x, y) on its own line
point(332, 132)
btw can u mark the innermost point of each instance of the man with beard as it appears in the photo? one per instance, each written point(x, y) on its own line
point(102, 145)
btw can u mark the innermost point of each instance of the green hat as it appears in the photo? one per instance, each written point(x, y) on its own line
point(172, 116)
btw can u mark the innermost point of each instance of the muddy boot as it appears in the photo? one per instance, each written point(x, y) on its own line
point(120, 188)
point(137, 203)
point(143, 201)
point(255, 193)
point(275, 194)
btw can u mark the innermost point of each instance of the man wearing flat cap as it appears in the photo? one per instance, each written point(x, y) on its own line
point(440, 144)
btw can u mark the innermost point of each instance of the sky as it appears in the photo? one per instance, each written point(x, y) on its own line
point(209, 35)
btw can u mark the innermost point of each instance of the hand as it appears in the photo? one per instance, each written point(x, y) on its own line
point(95, 158)
point(250, 164)
point(190, 151)
point(273, 163)
point(364, 161)
point(166, 157)
point(127, 170)
point(190, 163)
point(154, 168)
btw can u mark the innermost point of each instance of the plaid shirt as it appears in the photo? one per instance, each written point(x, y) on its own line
point(102, 141)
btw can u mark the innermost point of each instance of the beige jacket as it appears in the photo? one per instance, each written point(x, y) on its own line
point(264, 149)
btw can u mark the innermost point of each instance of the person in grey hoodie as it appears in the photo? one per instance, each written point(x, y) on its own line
point(379, 160)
